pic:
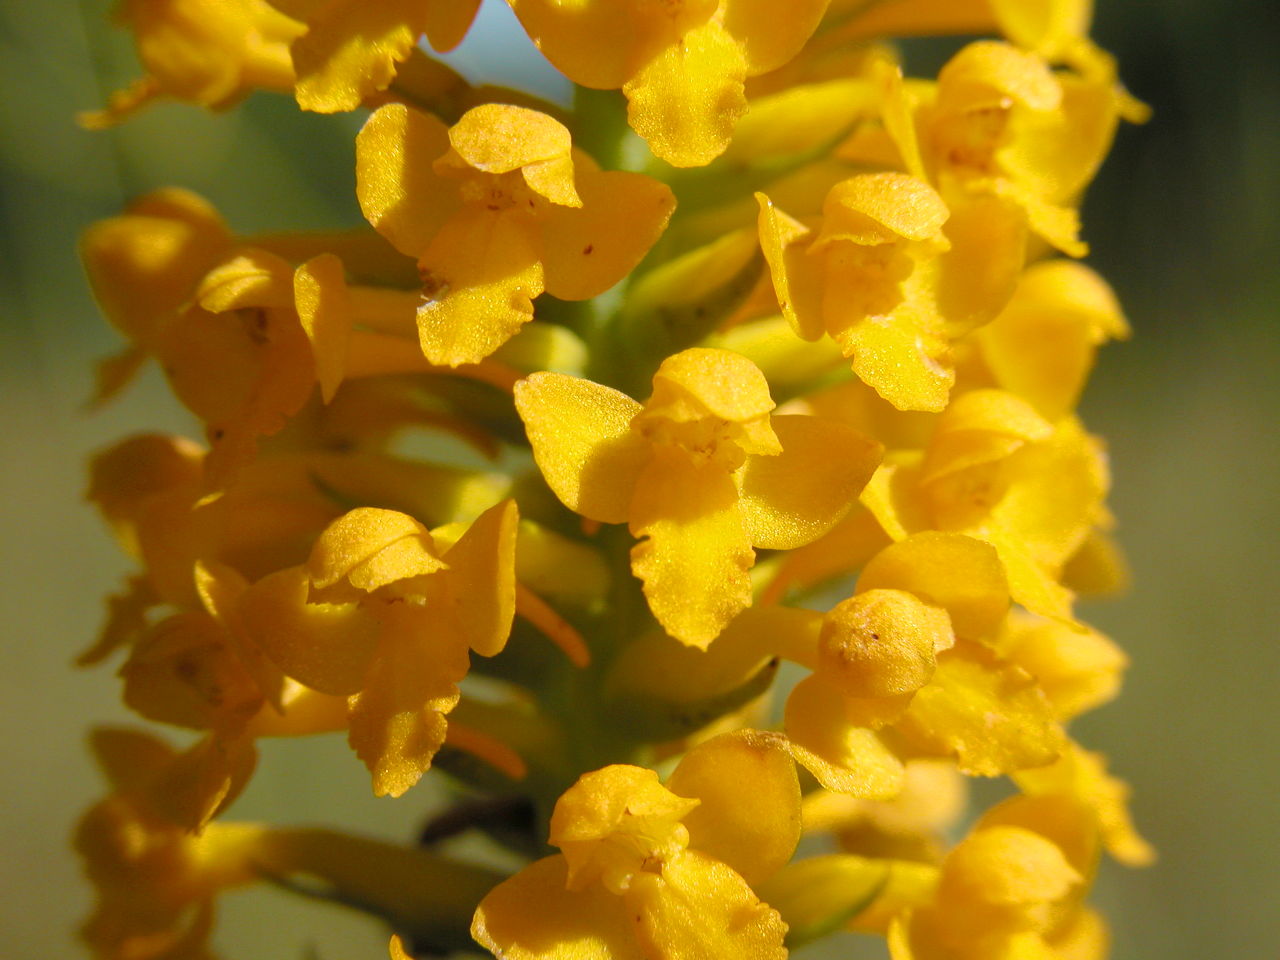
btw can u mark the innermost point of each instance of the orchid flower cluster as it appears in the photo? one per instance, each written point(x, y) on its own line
point(759, 352)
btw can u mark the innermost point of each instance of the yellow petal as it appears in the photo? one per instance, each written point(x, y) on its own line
point(698, 382)
point(769, 41)
point(1083, 775)
point(988, 72)
point(583, 443)
point(1030, 583)
point(602, 44)
point(1043, 27)
point(185, 671)
point(617, 799)
point(1056, 154)
point(480, 583)
point(1005, 865)
point(372, 547)
point(326, 646)
point(1085, 937)
point(499, 138)
point(990, 715)
point(843, 757)
point(1055, 495)
point(1076, 670)
point(795, 497)
point(399, 191)
point(202, 781)
point(127, 617)
point(882, 643)
point(252, 278)
point(897, 112)
point(448, 23)
point(244, 372)
point(694, 554)
point(753, 831)
point(685, 101)
point(397, 719)
point(128, 758)
point(908, 18)
point(220, 589)
point(324, 307)
point(894, 498)
point(1098, 568)
point(586, 250)
point(112, 374)
point(1060, 818)
point(874, 208)
point(1057, 224)
point(958, 573)
point(1042, 345)
point(532, 916)
point(480, 275)
point(124, 476)
point(981, 427)
point(144, 264)
point(797, 277)
point(305, 712)
point(351, 50)
point(200, 47)
point(700, 909)
point(898, 355)
point(974, 279)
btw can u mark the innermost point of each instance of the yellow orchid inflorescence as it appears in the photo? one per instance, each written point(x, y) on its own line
point(758, 350)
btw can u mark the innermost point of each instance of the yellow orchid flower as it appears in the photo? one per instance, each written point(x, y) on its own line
point(497, 209)
point(910, 652)
point(657, 871)
point(996, 896)
point(156, 873)
point(893, 277)
point(1082, 776)
point(185, 671)
point(155, 879)
point(151, 489)
point(208, 52)
point(1041, 346)
point(701, 472)
point(1001, 124)
point(380, 615)
point(682, 64)
point(276, 332)
point(994, 469)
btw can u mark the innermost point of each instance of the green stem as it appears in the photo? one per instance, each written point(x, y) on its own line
point(599, 125)
point(425, 896)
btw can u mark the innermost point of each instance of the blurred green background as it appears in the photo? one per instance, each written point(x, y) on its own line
point(1183, 221)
